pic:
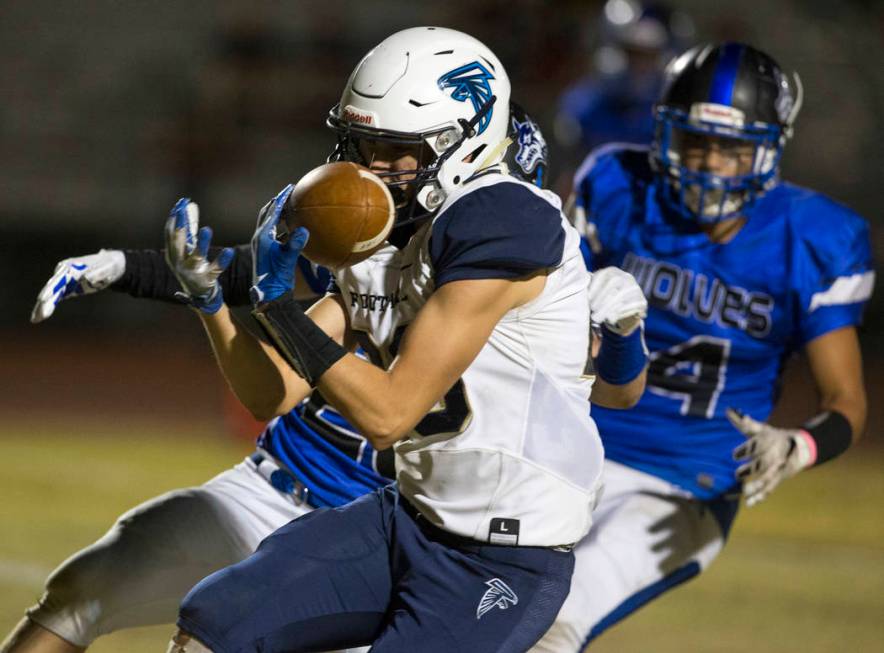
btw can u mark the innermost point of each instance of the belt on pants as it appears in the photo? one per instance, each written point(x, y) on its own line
point(453, 539)
point(438, 534)
point(280, 478)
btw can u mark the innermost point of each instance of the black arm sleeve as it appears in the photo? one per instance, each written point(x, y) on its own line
point(305, 346)
point(148, 276)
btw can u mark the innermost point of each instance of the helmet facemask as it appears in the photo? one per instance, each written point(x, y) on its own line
point(417, 192)
point(681, 148)
point(723, 118)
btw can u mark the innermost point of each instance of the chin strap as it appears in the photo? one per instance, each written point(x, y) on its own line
point(496, 154)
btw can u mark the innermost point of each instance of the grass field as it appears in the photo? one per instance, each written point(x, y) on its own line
point(803, 572)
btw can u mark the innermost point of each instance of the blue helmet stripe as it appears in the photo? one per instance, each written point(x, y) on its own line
point(721, 90)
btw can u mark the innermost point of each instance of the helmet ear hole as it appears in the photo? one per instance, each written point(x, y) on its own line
point(472, 156)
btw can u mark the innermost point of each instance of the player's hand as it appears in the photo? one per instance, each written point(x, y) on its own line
point(616, 300)
point(82, 275)
point(771, 455)
point(273, 262)
point(187, 252)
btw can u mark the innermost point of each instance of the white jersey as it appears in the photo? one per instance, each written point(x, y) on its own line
point(510, 455)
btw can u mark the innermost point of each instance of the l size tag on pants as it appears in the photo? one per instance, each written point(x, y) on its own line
point(504, 531)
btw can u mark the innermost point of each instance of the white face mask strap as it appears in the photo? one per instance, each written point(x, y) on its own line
point(796, 106)
point(496, 153)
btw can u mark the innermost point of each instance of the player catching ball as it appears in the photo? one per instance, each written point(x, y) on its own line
point(473, 310)
point(137, 573)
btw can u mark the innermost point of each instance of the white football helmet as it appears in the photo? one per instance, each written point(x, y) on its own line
point(432, 86)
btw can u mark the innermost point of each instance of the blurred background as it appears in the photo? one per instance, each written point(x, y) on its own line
point(113, 109)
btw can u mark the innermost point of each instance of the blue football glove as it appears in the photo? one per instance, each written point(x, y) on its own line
point(273, 262)
point(82, 275)
point(187, 253)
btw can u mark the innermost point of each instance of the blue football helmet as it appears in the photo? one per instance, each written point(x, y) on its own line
point(735, 99)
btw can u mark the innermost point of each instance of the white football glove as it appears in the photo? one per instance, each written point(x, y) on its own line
point(82, 275)
point(187, 251)
point(616, 300)
point(772, 455)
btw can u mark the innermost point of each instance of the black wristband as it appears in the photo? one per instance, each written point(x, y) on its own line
point(831, 432)
point(147, 276)
point(305, 346)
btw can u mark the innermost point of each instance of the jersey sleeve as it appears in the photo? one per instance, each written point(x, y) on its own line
point(600, 207)
point(833, 276)
point(501, 231)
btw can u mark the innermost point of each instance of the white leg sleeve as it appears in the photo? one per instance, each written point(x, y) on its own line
point(647, 537)
point(140, 570)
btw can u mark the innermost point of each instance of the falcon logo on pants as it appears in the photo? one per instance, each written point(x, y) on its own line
point(498, 594)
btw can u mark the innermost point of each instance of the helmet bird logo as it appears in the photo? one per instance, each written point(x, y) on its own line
point(470, 82)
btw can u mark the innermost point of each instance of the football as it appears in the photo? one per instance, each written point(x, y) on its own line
point(346, 208)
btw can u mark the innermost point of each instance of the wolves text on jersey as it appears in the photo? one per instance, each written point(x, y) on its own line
point(693, 294)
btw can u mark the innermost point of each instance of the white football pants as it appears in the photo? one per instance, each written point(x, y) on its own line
point(139, 571)
point(647, 537)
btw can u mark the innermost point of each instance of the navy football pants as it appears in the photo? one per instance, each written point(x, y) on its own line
point(373, 571)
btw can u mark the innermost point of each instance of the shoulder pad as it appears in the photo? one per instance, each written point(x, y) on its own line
point(498, 228)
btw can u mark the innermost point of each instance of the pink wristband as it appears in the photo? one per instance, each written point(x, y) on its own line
point(811, 446)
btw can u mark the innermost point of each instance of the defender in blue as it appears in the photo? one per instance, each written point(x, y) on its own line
point(740, 270)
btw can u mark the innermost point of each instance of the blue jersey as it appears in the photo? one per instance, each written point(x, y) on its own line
point(316, 276)
point(722, 318)
point(322, 450)
point(316, 444)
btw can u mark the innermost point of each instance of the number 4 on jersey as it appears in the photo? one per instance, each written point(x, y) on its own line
point(693, 371)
